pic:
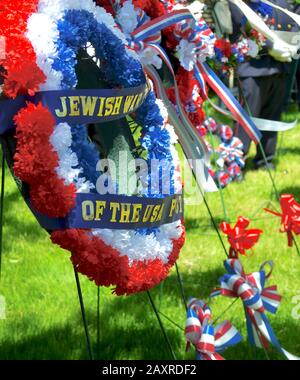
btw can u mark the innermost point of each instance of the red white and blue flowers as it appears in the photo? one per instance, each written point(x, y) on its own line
point(58, 161)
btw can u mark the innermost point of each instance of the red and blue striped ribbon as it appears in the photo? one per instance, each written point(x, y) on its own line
point(208, 340)
point(207, 75)
point(156, 25)
point(203, 73)
point(256, 299)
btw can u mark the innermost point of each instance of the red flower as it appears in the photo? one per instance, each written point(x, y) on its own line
point(106, 267)
point(290, 216)
point(224, 46)
point(239, 237)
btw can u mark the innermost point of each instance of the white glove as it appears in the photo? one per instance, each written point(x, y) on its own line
point(220, 162)
point(281, 52)
point(196, 8)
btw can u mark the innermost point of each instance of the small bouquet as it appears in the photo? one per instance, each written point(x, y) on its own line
point(228, 55)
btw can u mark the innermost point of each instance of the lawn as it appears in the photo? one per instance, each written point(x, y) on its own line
point(43, 319)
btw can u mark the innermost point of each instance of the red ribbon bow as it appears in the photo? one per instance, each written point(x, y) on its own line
point(290, 216)
point(239, 237)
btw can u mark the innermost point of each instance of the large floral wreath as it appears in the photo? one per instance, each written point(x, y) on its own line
point(58, 162)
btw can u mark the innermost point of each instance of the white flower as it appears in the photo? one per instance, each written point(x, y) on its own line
point(127, 17)
point(207, 49)
point(253, 48)
point(162, 109)
point(149, 56)
point(196, 9)
point(187, 54)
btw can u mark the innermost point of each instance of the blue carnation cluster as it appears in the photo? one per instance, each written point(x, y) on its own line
point(76, 29)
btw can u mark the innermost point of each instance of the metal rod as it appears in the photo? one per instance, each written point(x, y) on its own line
point(1, 207)
point(225, 311)
point(215, 225)
point(266, 162)
point(226, 219)
point(171, 321)
point(161, 326)
point(84, 319)
point(98, 322)
point(181, 286)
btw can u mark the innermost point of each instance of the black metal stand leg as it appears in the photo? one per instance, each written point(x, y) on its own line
point(98, 322)
point(181, 286)
point(161, 326)
point(1, 207)
point(84, 319)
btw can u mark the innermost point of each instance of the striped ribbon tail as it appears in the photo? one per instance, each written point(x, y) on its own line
point(226, 335)
point(228, 99)
point(150, 28)
point(194, 149)
point(256, 300)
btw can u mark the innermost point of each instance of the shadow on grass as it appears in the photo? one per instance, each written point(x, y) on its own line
point(55, 343)
point(129, 329)
point(196, 284)
point(18, 224)
point(201, 223)
point(291, 190)
point(290, 329)
point(289, 150)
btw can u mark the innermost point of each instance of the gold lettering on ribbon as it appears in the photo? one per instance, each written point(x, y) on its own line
point(136, 213)
point(88, 105)
point(109, 106)
point(125, 213)
point(100, 208)
point(88, 211)
point(114, 207)
point(74, 105)
point(128, 102)
point(147, 213)
point(64, 111)
point(101, 107)
point(117, 107)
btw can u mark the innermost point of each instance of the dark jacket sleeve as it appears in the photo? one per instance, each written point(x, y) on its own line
point(265, 65)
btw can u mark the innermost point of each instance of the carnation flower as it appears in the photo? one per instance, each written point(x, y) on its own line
point(127, 18)
point(187, 54)
point(253, 48)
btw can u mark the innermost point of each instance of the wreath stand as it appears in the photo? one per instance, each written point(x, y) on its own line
point(78, 285)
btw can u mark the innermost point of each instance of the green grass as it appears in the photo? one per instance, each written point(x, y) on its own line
point(43, 319)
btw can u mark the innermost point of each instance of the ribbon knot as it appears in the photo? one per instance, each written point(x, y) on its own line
point(290, 216)
point(239, 237)
point(196, 42)
point(199, 331)
point(256, 299)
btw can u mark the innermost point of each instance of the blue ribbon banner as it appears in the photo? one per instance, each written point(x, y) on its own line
point(78, 106)
point(116, 212)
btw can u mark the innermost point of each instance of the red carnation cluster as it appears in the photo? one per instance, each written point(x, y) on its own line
point(104, 265)
point(22, 75)
point(189, 91)
point(224, 46)
point(36, 161)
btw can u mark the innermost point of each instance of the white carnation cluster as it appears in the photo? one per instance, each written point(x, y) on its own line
point(43, 34)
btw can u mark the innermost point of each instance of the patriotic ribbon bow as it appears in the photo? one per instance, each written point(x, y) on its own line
point(232, 151)
point(196, 42)
point(256, 299)
point(208, 341)
point(239, 237)
point(290, 216)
